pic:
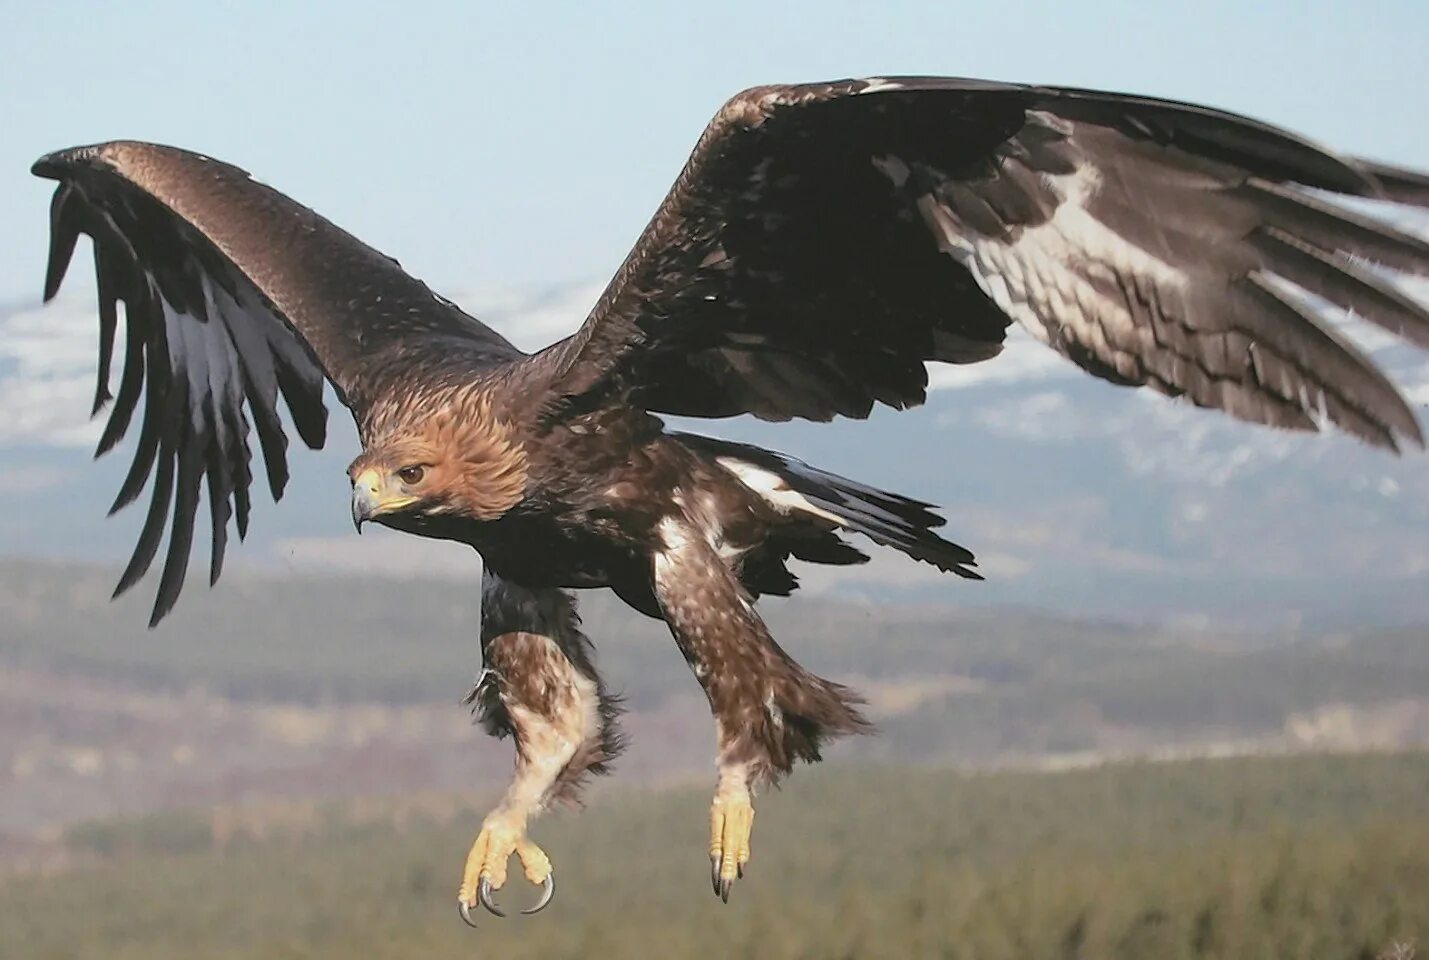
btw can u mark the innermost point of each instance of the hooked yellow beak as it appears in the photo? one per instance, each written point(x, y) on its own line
point(371, 498)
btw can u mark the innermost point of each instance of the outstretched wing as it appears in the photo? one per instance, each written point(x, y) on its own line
point(823, 241)
point(233, 294)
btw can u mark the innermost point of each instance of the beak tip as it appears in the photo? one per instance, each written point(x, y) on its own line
point(361, 511)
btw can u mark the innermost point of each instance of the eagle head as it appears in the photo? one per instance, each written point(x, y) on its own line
point(459, 462)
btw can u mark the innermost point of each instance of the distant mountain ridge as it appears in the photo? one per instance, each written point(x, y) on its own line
point(1076, 496)
point(300, 686)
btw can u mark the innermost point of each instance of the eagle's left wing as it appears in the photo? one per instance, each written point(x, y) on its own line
point(823, 241)
point(238, 302)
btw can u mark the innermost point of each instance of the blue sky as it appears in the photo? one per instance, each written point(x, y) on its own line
point(509, 156)
point(498, 144)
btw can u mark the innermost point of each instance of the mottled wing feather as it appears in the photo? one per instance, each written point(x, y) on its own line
point(234, 297)
point(1190, 275)
point(823, 241)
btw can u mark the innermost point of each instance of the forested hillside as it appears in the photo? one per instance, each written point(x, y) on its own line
point(1311, 857)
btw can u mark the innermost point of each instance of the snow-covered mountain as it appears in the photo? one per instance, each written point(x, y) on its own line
point(1076, 495)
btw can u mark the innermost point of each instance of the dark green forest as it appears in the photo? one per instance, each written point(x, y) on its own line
point(1306, 857)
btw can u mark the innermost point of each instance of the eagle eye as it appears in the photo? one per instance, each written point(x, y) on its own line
point(412, 474)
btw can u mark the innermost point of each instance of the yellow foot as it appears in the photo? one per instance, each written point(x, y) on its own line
point(731, 822)
point(486, 867)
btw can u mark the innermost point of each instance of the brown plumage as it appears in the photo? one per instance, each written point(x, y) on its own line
point(822, 244)
point(537, 662)
point(473, 460)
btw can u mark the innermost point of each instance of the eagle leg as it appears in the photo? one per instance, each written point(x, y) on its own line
point(769, 711)
point(540, 687)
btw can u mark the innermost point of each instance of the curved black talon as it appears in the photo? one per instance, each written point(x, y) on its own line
point(723, 887)
point(464, 909)
point(483, 893)
point(548, 890)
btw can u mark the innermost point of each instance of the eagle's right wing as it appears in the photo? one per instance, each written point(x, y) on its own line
point(233, 294)
point(825, 240)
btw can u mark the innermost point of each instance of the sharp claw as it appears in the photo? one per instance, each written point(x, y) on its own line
point(464, 909)
point(714, 874)
point(724, 887)
point(483, 893)
point(548, 890)
point(739, 872)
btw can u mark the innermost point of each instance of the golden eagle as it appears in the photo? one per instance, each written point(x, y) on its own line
point(822, 243)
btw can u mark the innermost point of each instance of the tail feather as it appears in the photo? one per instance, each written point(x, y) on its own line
point(792, 487)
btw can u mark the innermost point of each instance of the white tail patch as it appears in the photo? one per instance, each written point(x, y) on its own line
point(775, 490)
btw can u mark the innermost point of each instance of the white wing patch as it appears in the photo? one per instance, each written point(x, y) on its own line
point(774, 490)
point(879, 84)
point(1043, 277)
